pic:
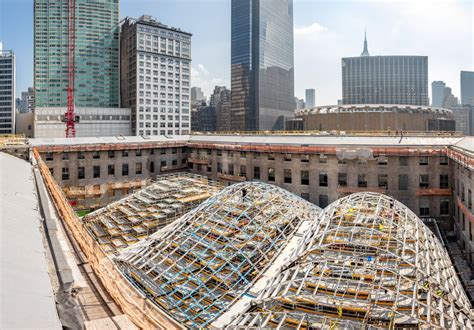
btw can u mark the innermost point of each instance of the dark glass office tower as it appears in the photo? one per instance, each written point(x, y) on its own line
point(262, 64)
point(384, 79)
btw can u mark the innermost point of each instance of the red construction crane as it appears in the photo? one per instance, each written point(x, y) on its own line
point(70, 116)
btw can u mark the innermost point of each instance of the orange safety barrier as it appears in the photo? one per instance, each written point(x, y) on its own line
point(433, 192)
point(141, 311)
point(467, 213)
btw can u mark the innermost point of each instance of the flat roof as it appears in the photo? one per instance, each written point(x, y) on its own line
point(107, 140)
point(26, 293)
point(306, 139)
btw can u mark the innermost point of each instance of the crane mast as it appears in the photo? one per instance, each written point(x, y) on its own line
point(70, 116)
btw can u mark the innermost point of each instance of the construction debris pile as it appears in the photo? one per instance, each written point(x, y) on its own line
point(141, 214)
point(197, 266)
point(368, 262)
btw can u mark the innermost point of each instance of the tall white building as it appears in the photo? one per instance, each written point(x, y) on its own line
point(155, 66)
point(7, 91)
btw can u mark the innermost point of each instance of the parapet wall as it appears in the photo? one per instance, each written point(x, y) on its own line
point(140, 311)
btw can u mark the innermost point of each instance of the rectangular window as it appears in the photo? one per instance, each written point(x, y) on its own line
point(174, 162)
point(444, 181)
point(305, 158)
point(423, 160)
point(323, 179)
point(382, 160)
point(424, 208)
point(323, 201)
point(219, 167)
point(65, 173)
point(469, 199)
point(124, 153)
point(174, 151)
point(49, 156)
point(138, 152)
point(209, 168)
point(424, 181)
point(124, 169)
point(138, 168)
point(162, 151)
point(243, 170)
point(111, 153)
point(444, 206)
point(271, 174)
point(361, 181)
point(96, 155)
point(287, 175)
point(271, 156)
point(342, 179)
point(230, 169)
point(443, 160)
point(342, 161)
point(305, 178)
point(152, 167)
point(305, 196)
point(81, 172)
point(287, 157)
point(64, 156)
point(383, 181)
point(199, 167)
point(243, 154)
point(96, 171)
point(111, 170)
point(164, 163)
point(403, 160)
point(256, 173)
point(323, 158)
point(470, 230)
point(80, 155)
point(219, 152)
point(403, 182)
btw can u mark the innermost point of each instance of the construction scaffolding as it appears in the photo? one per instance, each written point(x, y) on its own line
point(197, 266)
point(141, 214)
point(368, 262)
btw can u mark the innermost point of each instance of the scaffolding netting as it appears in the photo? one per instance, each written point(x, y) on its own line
point(198, 265)
point(368, 262)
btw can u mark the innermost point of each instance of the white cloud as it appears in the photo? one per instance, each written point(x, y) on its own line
point(203, 78)
point(439, 29)
point(309, 30)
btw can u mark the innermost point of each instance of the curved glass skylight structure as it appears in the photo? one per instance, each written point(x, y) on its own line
point(368, 262)
point(197, 266)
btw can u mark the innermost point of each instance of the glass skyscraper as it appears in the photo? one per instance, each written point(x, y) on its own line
point(262, 64)
point(96, 57)
point(467, 87)
point(385, 79)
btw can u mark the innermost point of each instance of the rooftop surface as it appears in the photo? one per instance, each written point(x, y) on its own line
point(309, 138)
point(26, 299)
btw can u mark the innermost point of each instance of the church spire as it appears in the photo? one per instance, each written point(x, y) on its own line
point(365, 52)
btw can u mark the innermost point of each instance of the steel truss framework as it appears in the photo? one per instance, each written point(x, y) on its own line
point(368, 262)
point(198, 265)
point(141, 214)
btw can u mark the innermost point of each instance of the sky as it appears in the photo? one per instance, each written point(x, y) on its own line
point(324, 32)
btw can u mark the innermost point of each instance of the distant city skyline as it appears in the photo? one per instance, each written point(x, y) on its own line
point(325, 31)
